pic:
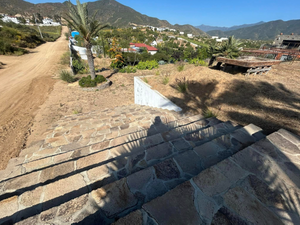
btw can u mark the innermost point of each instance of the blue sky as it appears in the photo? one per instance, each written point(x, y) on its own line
point(214, 13)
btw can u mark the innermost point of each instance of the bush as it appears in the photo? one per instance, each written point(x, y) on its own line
point(66, 76)
point(182, 85)
point(66, 35)
point(65, 58)
point(80, 66)
point(180, 68)
point(117, 64)
point(166, 80)
point(148, 65)
point(88, 82)
point(208, 113)
point(100, 79)
point(128, 69)
point(198, 62)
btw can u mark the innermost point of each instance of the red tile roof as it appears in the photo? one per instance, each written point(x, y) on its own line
point(140, 45)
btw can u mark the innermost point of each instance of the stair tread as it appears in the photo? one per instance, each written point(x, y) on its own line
point(237, 189)
point(158, 171)
point(68, 151)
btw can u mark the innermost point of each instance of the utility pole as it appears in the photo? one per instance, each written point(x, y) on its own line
point(38, 26)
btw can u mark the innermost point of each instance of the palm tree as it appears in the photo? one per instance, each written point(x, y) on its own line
point(79, 20)
point(229, 50)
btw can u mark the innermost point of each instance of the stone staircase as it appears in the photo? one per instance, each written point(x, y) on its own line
point(142, 165)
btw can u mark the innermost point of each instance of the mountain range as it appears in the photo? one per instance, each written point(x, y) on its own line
point(109, 11)
point(207, 28)
point(265, 31)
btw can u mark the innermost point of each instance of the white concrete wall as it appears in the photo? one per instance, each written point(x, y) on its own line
point(82, 51)
point(144, 95)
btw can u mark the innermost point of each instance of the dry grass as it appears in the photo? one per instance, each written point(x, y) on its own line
point(270, 101)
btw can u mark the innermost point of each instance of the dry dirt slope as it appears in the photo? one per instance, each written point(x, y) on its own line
point(25, 84)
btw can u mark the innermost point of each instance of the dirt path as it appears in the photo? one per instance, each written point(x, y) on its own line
point(25, 84)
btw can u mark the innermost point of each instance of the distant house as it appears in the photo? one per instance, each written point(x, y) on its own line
point(150, 49)
point(7, 19)
point(154, 43)
point(189, 35)
point(181, 32)
point(128, 50)
point(221, 39)
point(173, 30)
point(214, 37)
point(134, 28)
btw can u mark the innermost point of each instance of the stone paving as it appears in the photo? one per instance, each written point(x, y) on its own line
point(258, 185)
point(159, 167)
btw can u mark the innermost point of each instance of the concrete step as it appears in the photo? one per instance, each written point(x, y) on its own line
point(257, 185)
point(91, 188)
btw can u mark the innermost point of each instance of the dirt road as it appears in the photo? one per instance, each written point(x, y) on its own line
point(25, 82)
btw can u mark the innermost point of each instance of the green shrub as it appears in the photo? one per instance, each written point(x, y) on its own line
point(65, 58)
point(67, 35)
point(165, 80)
point(67, 76)
point(148, 65)
point(88, 82)
point(198, 62)
point(207, 113)
point(182, 85)
point(117, 65)
point(128, 69)
point(80, 66)
point(180, 68)
point(100, 79)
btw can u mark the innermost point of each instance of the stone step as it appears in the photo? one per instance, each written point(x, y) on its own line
point(133, 156)
point(72, 141)
point(117, 193)
point(258, 185)
point(40, 159)
point(77, 132)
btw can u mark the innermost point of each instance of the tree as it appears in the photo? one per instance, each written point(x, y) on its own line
point(230, 49)
point(39, 18)
point(21, 20)
point(57, 18)
point(79, 20)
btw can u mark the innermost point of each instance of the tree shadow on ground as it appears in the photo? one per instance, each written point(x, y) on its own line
point(197, 97)
point(269, 106)
point(63, 203)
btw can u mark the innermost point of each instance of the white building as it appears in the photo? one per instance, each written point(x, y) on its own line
point(50, 22)
point(173, 30)
point(221, 39)
point(154, 43)
point(7, 19)
point(189, 35)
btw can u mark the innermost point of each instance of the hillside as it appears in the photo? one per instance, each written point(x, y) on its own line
point(207, 28)
point(266, 31)
point(109, 11)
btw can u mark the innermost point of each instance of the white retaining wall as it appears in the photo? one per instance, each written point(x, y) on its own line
point(82, 51)
point(145, 95)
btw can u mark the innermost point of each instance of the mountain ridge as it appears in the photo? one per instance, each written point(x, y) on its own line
point(110, 12)
point(265, 31)
point(207, 28)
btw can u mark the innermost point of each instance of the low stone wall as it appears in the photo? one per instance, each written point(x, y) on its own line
point(145, 95)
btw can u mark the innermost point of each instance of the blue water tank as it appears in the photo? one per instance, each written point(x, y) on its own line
point(74, 33)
